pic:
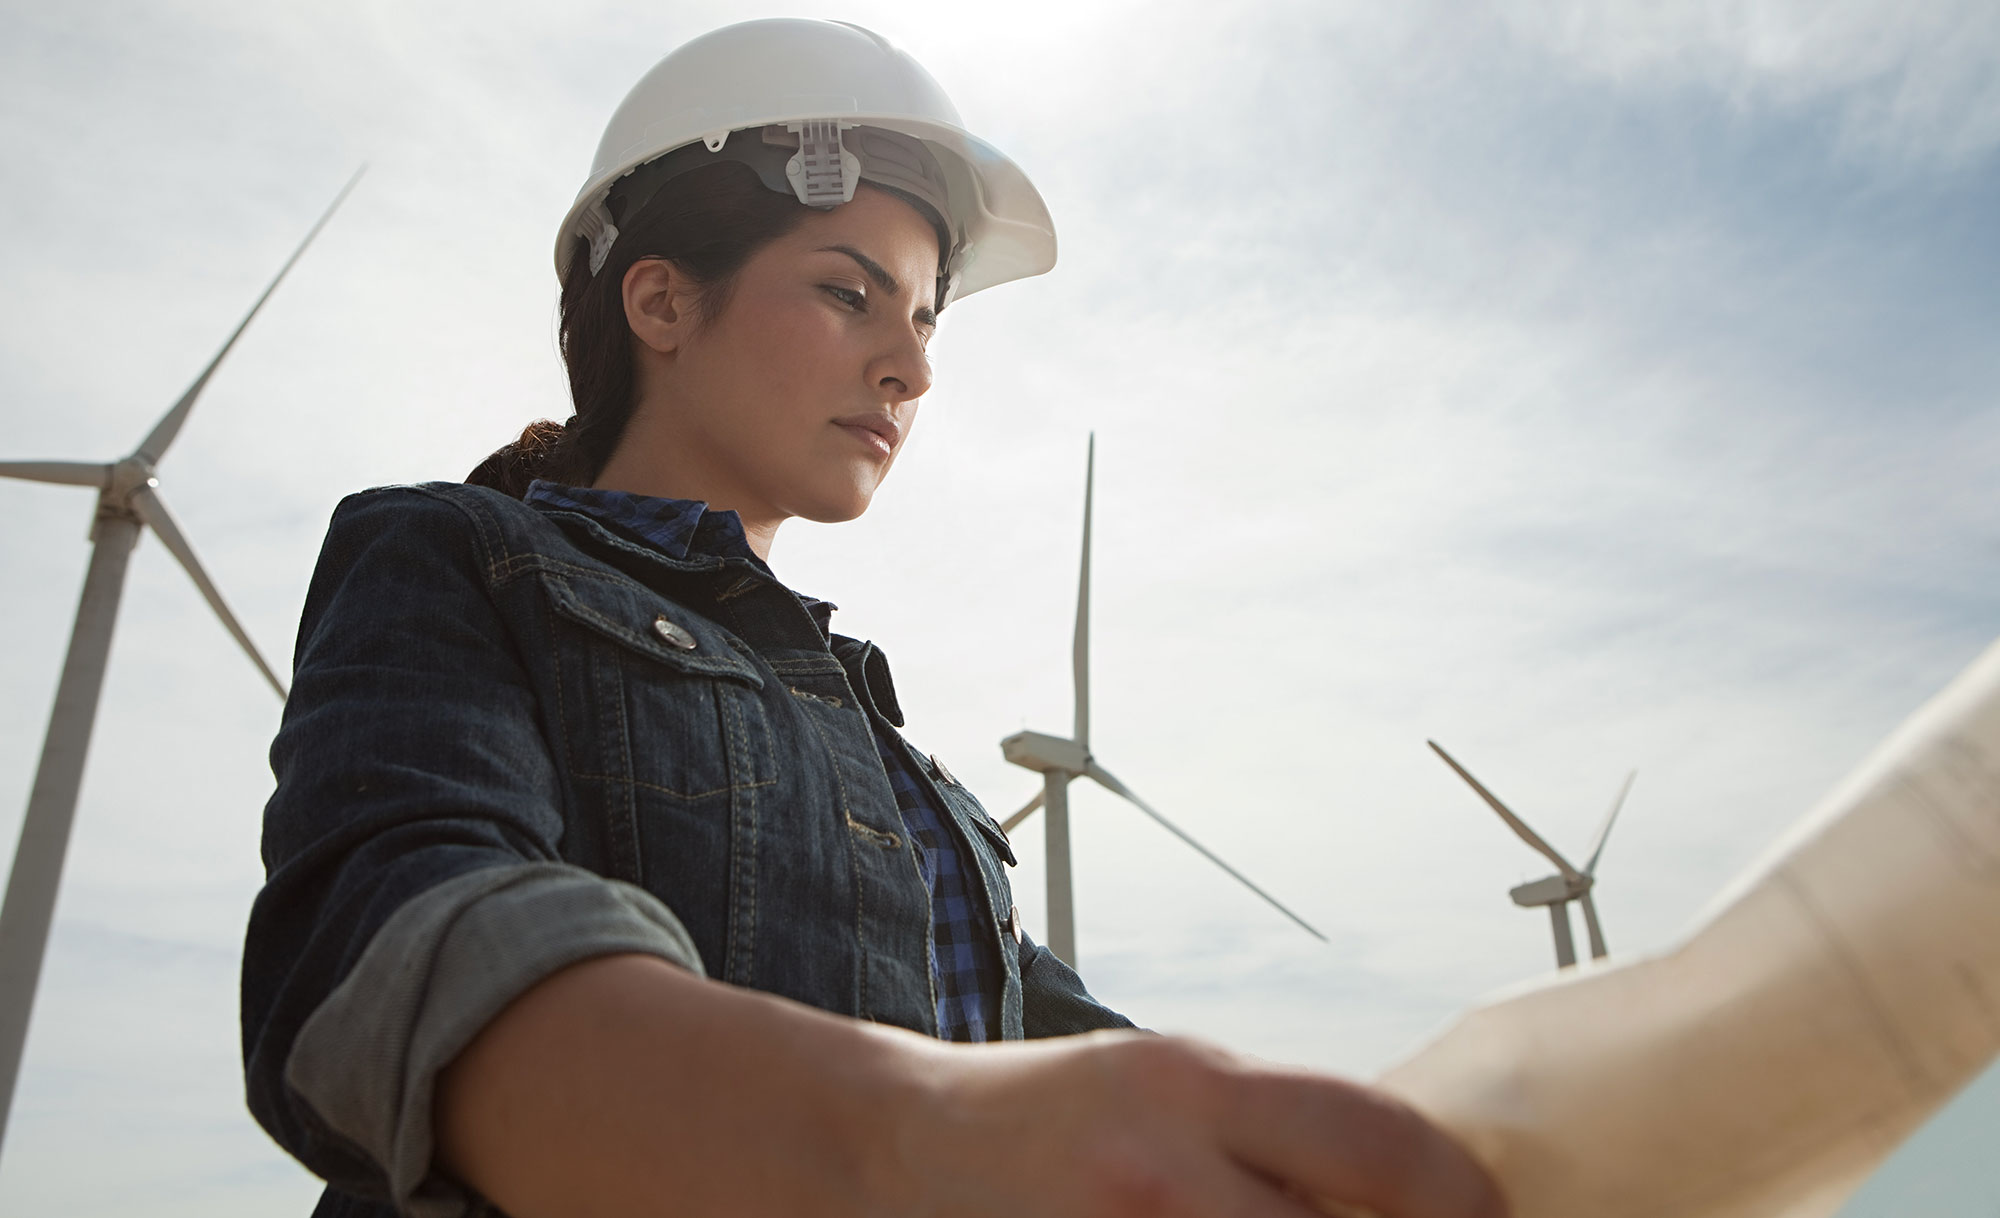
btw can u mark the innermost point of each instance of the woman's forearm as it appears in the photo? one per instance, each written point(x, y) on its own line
point(625, 1085)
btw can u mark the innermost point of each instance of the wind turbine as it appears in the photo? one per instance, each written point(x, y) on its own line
point(1568, 884)
point(1060, 759)
point(128, 497)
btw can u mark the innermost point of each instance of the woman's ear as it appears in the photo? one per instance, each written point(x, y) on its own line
point(659, 303)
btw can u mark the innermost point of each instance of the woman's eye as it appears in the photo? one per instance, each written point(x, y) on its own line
point(847, 296)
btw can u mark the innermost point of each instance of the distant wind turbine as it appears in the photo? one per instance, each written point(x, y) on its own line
point(1059, 760)
point(1568, 884)
point(128, 497)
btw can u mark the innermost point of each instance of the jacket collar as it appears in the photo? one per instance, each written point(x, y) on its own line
point(677, 528)
point(681, 534)
point(868, 672)
point(686, 530)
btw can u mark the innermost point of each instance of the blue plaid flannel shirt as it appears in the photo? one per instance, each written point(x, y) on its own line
point(964, 973)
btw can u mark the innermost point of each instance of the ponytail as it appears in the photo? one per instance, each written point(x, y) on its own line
point(512, 467)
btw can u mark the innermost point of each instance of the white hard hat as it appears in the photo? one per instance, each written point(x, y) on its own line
point(822, 105)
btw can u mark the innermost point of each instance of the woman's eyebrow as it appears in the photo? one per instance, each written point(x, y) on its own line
point(880, 274)
point(883, 279)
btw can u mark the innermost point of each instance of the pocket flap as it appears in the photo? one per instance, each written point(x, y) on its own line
point(971, 812)
point(640, 620)
point(996, 835)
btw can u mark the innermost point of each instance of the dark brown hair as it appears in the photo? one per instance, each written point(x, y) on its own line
point(707, 222)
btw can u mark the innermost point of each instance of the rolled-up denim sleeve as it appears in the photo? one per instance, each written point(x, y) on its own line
point(412, 846)
point(1054, 1001)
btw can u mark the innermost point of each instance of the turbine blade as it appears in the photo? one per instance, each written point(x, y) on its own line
point(1104, 779)
point(1007, 826)
point(1519, 826)
point(156, 443)
point(67, 473)
point(153, 510)
point(1080, 654)
point(1597, 848)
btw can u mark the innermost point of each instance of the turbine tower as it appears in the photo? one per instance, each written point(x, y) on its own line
point(128, 498)
point(1059, 760)
point(1568, 884)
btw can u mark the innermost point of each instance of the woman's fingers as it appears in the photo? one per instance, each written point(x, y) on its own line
point(1129, 1126)
point(1353, 1149)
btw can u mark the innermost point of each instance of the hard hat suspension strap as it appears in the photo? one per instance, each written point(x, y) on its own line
point(813, 159)
point(822, 173)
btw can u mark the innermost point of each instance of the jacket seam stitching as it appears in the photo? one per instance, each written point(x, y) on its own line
point(623, 780)
point(862, 1006)
point(743, 855)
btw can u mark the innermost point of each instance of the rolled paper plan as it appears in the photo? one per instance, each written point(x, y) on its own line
point(1827, 1003)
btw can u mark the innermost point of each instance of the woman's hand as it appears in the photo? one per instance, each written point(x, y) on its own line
point(1118, 1123)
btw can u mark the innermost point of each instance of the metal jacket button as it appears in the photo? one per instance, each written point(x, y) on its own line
point(673, 633)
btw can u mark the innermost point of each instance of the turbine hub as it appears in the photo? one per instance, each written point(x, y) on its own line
point(127, 477)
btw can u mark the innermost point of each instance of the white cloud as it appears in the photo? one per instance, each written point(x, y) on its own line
point(1910, 83)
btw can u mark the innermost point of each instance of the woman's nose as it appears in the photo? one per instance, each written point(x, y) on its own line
point(906, 374)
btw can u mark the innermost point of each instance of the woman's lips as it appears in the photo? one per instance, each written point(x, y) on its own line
point(877, 432)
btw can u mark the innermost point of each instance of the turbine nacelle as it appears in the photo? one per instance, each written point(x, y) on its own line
point(1044, 754)
point(1552, 890)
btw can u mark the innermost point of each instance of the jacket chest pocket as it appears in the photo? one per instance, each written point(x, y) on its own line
point(661, 715)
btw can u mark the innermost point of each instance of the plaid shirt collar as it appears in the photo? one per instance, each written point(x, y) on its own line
point(676, 527)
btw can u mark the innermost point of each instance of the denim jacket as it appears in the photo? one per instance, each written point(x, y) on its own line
point(517, 740)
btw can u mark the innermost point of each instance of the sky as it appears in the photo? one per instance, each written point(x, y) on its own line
point(1588, 386)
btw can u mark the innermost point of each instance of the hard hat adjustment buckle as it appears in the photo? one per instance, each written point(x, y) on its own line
point(595, 226)
point(822, 173)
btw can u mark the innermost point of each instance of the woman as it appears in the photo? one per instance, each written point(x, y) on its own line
point(600, 880)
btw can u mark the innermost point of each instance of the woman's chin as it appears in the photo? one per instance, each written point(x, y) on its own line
point(836, 507)
point(834, 514)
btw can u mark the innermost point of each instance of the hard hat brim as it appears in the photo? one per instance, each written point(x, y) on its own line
point(1007, 228)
